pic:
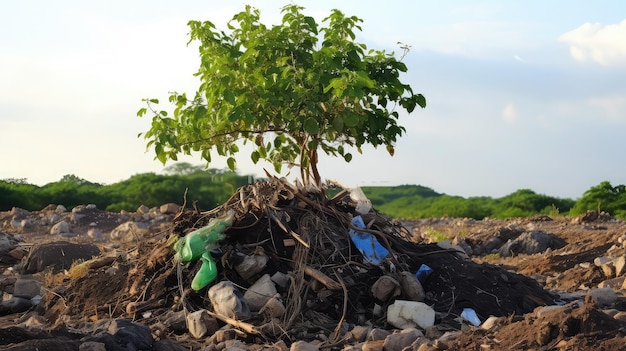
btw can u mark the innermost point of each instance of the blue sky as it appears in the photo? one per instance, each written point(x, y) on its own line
point(521, 94)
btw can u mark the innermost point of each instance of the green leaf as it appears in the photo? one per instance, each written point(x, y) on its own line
point(311, 126)
point(154, 101)
point(338, 124)
point(255, 156)
point(421, 100)
point(311, 22)
point(231, 163)
point(347, 157)
point(229, 97)
point(142, 111)
point(351, 120)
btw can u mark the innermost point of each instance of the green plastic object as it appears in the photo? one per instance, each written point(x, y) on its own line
point(193, 245)
point(206, 274)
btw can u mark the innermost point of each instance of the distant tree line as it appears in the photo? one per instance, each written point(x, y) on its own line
point(209, 188)
point(414, 201)
point(213, 187)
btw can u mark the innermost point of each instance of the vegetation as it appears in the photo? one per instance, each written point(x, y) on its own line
point(290, 90)
point(208, 187)
point(213, 187)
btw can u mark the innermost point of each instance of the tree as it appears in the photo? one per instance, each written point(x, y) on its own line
point(280, 89)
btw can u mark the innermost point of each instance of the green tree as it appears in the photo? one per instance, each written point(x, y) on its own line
point(605, 197)
point(285, 92)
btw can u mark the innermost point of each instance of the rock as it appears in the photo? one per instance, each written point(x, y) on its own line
point(603, 297)
point(92, 346)
point(175, 321)
point(281, 279)
point(373, 345)
point(251, 265)
point(143, 209)
point(378, 334)
point(169, 208)
point(620, 266)
point(620, 316)
point(615, 283)
point(94, 233)
point(531, 243)
point(131, 333)
point(359, 332)
point(303, 346)
point(61, 228)
point(59, 254)
point(273, 308)
point(223, 335)
point(398, 341)
point(26, 286)
point(411, 287)
point(60, 209)
point(409, 314)
point(7, 243)
point(447, 245)
point(14, 305)
point(260, 292)
point(608, 269)
point(200, 324)
point(129, 231)
point(385, 288)
point(235, 345)
point(227, 300)
point(599, 261)
point(490, 322)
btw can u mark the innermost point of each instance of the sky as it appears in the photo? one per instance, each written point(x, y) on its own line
point(521, 94)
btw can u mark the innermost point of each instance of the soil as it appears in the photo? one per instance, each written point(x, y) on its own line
point(142, 282)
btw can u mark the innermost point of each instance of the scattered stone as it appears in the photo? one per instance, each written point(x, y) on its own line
point(603, 297)
point(60, 228)
point(169, 208)
point(135, 334)
point(373, 345)
point(378, 334)
point(615, 283)
point(143, 209)
point(281, 279)
point(273, 308)
point(620, 266)
point(531, 243)
point(398, 341)
point(620, 316)
point(410, 314)
point(227, 301)
point(129, 231)
point(59, 255)
point(432, 332)
point(303, 346)
point(175, 321)
point(411, 287)
point(26, 286)
point(14, 305)
point(260, 292)
point(385, 288)
point(200, 324)
point(251, 265)
point(490, 322)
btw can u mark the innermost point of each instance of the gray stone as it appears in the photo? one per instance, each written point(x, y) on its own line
point(399, 341)
point(143, 209)
point(260, 292)
point(620, 265)
point(94, 233)
point(7, 243)
point(60, 228)
point(228, 301)
point(490, 322)
point(137, 335)
point(129, 231)
point(378, 334)
point(359, 332)
point(200, 324)
point(251, 265)
point(14, 305)
point(303, 346)
point(615, 283)
point(411, 287)
point(59, 255)
point(603, 296)
point(281, 279)
point(92, 346)
point(531, 243)
point(599, 261)
point(273, 308)
point(26, 286)
point(175, 321)
point(60, 209)
point(385, 288)
point(169, 208)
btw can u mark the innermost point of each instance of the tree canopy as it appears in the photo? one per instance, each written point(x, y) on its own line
point(289, 90)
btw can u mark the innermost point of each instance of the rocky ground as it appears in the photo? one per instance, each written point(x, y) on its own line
point(291, 277)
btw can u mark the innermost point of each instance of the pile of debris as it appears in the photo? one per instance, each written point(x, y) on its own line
point(293, 265)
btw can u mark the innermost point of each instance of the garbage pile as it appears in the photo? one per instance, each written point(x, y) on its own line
point(280, 262)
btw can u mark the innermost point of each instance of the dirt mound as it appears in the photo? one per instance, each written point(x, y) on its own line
point(333, 281)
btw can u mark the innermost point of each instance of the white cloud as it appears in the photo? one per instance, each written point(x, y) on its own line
point(509, 113)
point(603, 44)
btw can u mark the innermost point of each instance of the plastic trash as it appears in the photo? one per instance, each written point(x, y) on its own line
point(470, 315)
point(193, 245)
point(423, 272)
point(363, 204)
point(206, 274)
point(368, 245)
